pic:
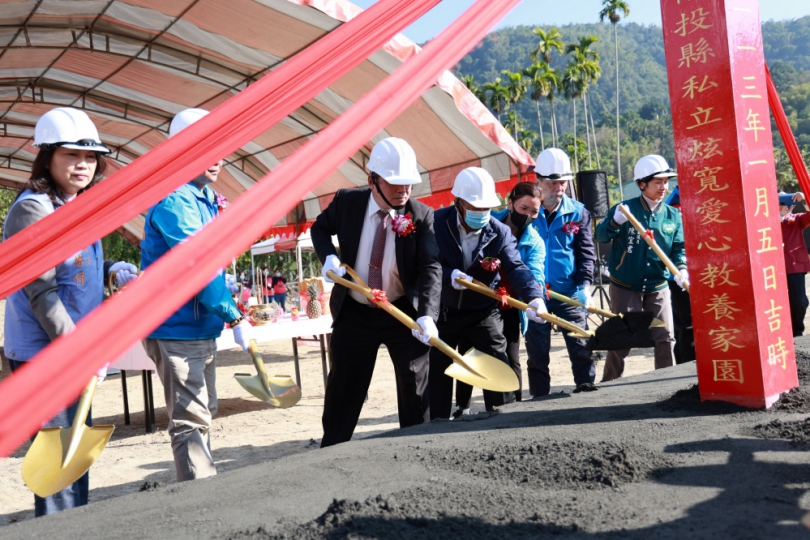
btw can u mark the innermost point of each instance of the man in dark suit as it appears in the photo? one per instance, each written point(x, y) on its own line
point(389, 241)
point(470, 242)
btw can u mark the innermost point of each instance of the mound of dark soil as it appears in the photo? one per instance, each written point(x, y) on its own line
point(793, 431)
point(559, 464)
point(798, 399)
point(150, 486)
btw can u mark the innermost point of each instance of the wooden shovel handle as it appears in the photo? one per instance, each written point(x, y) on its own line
point(517, 304)
point(571, 302)
point(258, 363)
point(653, 244)
point(397, 314)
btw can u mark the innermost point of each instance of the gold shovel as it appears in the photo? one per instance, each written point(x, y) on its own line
point(656, 323)
point(279, 391)
point(474, 368)
point(479, 287)
point(653, 244)
point(58, 456)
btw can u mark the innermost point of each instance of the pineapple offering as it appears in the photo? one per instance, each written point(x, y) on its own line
point(314, 305)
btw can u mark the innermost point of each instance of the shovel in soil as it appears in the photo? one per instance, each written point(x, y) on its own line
point(633, 319)
point(474, 368)
point(613, 334)
point(59, 456)
point(279, 391)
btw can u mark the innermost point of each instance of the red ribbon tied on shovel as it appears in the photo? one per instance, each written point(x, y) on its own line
point(503, 296)
point(649, 234)
point(379, 296)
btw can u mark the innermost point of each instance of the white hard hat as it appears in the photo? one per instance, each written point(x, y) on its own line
point(652, 166)
point(394, 160)
point(476, 186)
point(183, 119)
point(553, 164)
point(68, 128)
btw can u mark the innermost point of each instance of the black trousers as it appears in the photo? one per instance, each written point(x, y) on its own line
point(682, 322)
point(481, 329)
point(511, 331)
point(356, 337)
point(798, 302)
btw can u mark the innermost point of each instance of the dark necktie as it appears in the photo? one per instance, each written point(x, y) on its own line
point(377, 251)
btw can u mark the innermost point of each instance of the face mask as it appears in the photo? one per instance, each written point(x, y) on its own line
point(476, 219)
point(521, 221)
point(278, 274)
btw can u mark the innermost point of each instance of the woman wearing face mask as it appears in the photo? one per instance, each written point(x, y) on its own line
point(523, 207)
point(472, 245)
point(70, 161)
point(280, 289)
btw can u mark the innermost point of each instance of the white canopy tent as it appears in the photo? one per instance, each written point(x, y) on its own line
point(279, 243)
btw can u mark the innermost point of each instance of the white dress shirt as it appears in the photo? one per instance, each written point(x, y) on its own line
point(469, 242)
point(391, 283)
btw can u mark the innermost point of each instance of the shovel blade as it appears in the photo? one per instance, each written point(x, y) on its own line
point(628, 331)
point(284, 392)
point(494, 375)
point(42, 468)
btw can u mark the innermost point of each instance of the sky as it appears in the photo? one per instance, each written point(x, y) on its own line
point(560, 12)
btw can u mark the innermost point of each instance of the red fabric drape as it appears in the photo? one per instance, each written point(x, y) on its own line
point(788, 138)
point(151, 177)
point(35, 392)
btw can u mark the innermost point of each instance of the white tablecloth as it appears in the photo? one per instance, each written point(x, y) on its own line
point(135, 358)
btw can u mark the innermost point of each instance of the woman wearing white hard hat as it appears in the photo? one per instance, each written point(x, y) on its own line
point(388, 239)
point(638, 278)
point(69, 162)
point(472, 245)
point(184, 346)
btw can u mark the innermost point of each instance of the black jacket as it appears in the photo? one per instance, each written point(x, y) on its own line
point(417, 253)
point(497, 242)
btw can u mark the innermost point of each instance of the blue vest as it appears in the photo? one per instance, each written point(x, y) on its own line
point(80, 281)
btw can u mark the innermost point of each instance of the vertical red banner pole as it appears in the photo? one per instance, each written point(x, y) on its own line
point(720, 116)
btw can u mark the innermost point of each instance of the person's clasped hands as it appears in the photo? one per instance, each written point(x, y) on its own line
point(124, 272)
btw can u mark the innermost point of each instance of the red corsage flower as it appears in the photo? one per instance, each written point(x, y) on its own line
point(572, 227)
point(403, 225)
point(222, 201)
point(491, 264)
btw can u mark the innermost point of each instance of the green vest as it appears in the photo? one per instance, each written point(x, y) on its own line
point(633, 264)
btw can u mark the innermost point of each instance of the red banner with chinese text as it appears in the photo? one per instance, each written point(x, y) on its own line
point(727, 180)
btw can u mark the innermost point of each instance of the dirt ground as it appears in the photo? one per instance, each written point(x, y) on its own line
point(245, 431)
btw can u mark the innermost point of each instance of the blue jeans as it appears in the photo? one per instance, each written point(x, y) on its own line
point(538, 346)
point(281, 300)
point(75, 494)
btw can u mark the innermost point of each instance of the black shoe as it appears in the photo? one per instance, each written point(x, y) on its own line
point(586, 387)
point(460, 412)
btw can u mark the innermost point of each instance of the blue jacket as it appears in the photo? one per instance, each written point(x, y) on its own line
point(80, 287)
point(496, 241)
point(532, 252)
point(168, 223)
point(569, 256)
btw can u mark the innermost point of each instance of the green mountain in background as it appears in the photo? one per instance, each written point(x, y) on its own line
point(646, 124)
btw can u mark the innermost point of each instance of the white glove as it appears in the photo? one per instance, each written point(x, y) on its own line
point(618, 215)
point(684, 276)
point(536, 308)
point(332, 263)
point(429, 330)
point(459, 274)
point(230, 281)
point(102, 373)
point(583, 296)
point(125, 272)
point(242, 334)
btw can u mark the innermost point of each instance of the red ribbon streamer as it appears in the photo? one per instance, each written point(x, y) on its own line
point(503, 296)
point(380, 297)
point(31, 395)
point(649, 234)
point(151, 177)
point(792, 148)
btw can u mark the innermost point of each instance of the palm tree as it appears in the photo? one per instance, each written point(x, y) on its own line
point(610, 10)
point(516, 87)
point(587, 61)
point(555, 84)
point(497, 96)
point(548, 42)
point(472, 86)
point(573, 85)
point(540, 86)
